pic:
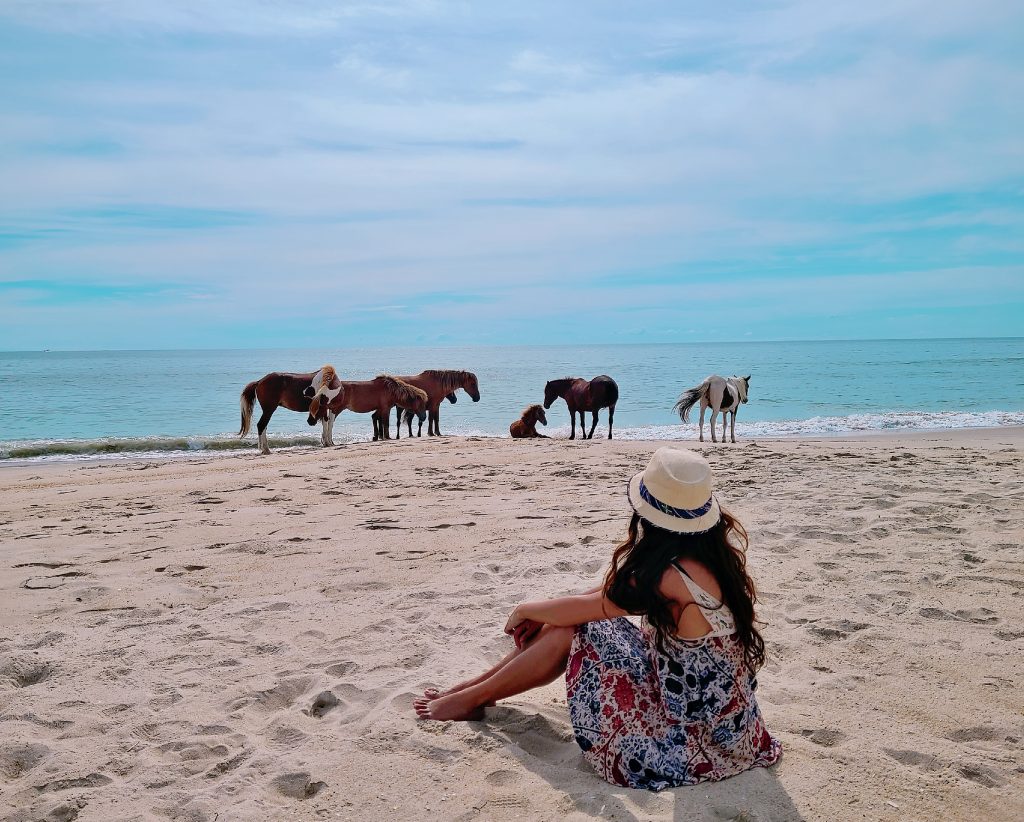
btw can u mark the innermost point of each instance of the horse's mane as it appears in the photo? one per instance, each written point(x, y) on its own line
point(403, 393)
point(534, 409)
point(450, 380)
point(327, 375)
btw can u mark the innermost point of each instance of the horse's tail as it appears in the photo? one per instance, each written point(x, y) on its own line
point(247, 401)
point(613, 394)
point(688, 399)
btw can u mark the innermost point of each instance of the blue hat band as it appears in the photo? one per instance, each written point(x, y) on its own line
point(665, 508)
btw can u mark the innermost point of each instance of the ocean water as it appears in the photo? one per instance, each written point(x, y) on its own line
point(87, 404)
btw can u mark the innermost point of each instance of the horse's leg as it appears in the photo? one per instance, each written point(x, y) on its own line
point(261, 427)
point(611, 416)
point(703, 408)
point(331, 417)
point(572, 423)
point(433, 413)
point(385, 422)
point(733, 427)
point(593, 424)
point(714, 422)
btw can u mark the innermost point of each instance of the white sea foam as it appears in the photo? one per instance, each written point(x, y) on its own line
point(837, 426)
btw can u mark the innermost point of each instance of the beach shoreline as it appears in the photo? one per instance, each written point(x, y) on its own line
point(244, 635)
point(1009, 433)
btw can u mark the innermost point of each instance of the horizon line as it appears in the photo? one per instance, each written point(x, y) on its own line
point(500, 345)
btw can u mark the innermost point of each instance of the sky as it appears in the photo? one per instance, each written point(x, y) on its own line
point(249, 173)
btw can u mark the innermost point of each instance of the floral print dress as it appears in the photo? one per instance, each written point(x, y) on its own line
point(646, 719)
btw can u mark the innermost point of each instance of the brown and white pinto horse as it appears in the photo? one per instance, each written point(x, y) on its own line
point(377, 396)
point(584, 395)
point(284, 390)
point(525, 427)
point(718, 394)
point(439, 384)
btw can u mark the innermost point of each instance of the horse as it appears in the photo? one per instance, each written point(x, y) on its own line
point(525, 427)
point(279, 389)
point(720, 394)
point(406, 416)
point(583, 395)
point(439, 384)
point(378, 395)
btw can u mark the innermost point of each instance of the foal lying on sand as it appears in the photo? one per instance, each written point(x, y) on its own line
point(526, 426)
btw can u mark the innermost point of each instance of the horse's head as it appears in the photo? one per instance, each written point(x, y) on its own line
point(314, 411)
point(743, 383)
point(471, 386)
point(550, 393)
point(542, 418)
point(452, 398)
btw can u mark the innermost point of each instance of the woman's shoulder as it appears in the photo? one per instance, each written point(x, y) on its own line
point(697, 572)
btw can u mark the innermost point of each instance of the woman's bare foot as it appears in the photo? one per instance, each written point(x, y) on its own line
point(437, 693)
point(456, 707)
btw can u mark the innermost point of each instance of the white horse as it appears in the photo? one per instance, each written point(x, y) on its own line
point(721, 394)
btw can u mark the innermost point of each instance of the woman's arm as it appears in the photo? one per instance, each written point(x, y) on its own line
point(566, 611)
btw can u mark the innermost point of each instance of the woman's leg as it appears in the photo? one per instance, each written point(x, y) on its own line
point(434, 693)
point(540, 663)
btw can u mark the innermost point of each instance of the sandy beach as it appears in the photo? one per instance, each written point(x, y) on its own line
point(242, 637)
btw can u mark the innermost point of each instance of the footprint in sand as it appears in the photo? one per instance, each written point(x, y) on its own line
point(502, 778)
point(979, 733)
point(299, 785)
point(917, 759)
point(982, 616)
point(983, 775)
point(323, 702)
point(92, 780)
point(826, 737)
point(19, 758)
point(23, 673)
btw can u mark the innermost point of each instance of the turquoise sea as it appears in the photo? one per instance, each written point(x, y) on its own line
point(86, 404)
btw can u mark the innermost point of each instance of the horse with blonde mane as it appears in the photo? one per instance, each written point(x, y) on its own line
point(525, 427)
point(377, 396)
point(284, 390)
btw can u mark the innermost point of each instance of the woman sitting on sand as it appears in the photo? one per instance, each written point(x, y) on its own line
point(669, 703)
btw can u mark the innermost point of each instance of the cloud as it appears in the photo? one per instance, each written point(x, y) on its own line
point(314, 157)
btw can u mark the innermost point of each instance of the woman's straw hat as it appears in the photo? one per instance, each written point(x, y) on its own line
point(674, 492)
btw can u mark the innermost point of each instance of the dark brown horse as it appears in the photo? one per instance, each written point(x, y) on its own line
point(438, 385)
point(583, 395)
point(406, 416)
point(283, 390)
point(377, 396)
point(525, 427)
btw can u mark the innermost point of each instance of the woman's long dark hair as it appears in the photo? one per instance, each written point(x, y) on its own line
point(633, 581)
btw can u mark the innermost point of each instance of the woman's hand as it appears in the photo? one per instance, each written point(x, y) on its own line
point(521, 628)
